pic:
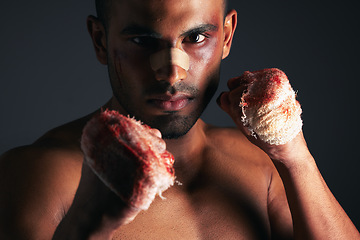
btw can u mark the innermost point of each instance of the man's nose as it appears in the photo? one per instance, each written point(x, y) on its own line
point(171, 73)
point(170, 65)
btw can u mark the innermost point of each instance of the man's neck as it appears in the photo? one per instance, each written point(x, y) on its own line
point(187, 151)
point(186, 146)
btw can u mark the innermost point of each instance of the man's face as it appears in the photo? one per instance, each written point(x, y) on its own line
point(138, 29)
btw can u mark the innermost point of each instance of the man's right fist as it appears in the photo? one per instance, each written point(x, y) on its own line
point(129, 157)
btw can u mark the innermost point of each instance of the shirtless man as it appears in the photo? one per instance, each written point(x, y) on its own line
point(230, 188)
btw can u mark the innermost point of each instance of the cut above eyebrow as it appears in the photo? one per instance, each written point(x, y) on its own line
point(135, 29)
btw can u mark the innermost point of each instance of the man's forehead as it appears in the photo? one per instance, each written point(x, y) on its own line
point(155, 4)
point(155, 14)
point(161, 9)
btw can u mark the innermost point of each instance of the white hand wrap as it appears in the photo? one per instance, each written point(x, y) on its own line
point(270, 108)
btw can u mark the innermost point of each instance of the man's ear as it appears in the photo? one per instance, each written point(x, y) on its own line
point(229, 29)
point(98, 35)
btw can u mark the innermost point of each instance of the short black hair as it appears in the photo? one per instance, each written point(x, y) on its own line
point(103, 8)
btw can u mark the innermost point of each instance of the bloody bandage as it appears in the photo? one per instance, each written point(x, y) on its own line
point(172, 56)
point(269, 106)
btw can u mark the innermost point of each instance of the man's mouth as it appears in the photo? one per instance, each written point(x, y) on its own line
point(170, 103)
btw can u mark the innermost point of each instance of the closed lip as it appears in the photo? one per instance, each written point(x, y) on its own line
point(170, 98)
point(166, 102)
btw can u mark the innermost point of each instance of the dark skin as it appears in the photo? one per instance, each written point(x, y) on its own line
point(141, 35)
point(231, 189)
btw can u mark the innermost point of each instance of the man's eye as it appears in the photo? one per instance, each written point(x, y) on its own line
point(147, 42)
point(195, 38)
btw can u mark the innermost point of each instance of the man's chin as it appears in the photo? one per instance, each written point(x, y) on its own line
point(174, 135)
point(173, 127)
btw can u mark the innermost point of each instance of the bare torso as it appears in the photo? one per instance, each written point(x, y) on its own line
point(225, 197)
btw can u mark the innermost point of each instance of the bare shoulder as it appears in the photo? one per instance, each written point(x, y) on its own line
point(246, 167)
point(230, 150)
point(237, 163)
point(38, 182)
point(234, 146)
point(67, 135)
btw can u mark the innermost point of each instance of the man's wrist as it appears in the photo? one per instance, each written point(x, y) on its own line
point(292, 154)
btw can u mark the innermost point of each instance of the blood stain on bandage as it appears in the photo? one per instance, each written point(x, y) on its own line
point(269, 106)
point(128, 157)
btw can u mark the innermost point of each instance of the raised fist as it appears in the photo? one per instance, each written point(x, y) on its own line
point(129, 157)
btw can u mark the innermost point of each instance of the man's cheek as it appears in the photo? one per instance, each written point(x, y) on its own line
point(210, 54)
point(132, 69)
point(207, 73)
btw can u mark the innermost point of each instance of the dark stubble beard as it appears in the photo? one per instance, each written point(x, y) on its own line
point(179, 125)
point(172, 125)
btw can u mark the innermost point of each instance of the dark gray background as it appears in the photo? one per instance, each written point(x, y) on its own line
point(49, 74)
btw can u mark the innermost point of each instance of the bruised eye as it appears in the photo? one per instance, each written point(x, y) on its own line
point(195, 38)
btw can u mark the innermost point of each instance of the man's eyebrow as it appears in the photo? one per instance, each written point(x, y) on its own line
point(200, 29)
point(135, 29)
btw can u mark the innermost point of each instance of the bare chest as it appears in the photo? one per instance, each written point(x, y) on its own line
point(226, 199)
point(210, 212)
